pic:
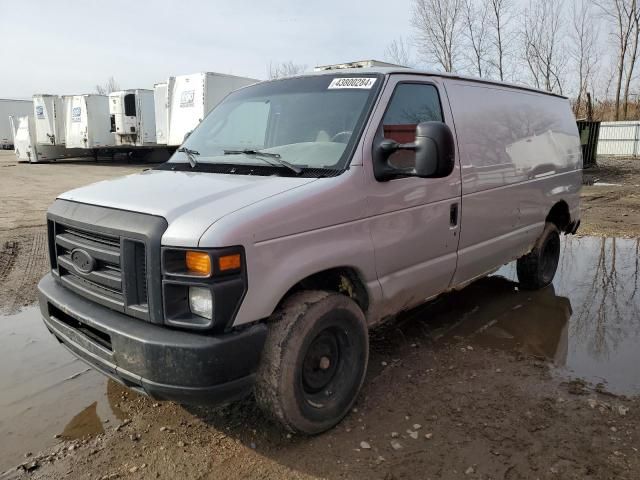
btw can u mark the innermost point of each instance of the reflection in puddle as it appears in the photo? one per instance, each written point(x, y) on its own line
point(587, 322)
point(84, 424)
point(45, 391)
point(600, 277)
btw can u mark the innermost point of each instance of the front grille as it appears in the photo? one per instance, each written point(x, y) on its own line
point(117, 276)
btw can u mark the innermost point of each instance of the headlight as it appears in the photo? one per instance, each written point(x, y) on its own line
point(202, 288)
point(201, 302)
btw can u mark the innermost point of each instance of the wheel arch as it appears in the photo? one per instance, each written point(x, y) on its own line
point(346, 280)
point(560, 216)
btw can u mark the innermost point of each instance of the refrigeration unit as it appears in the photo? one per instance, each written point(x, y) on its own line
point(48, 111)
point(132, 117)
point(11, 108)
point(87, 122)
point(193, 96)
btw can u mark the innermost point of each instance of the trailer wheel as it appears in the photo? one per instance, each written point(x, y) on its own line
point(537, 268)
point(314, 361)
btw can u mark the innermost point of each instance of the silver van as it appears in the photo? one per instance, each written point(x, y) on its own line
point(300, 213)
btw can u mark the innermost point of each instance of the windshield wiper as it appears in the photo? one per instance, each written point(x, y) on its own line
point(274, 156)
point(191, 155)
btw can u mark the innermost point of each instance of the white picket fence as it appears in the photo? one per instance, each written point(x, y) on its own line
point(619, 139)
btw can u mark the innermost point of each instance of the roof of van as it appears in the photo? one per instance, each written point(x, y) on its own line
point(412, 71)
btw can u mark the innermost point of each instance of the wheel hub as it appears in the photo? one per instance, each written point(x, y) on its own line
point(325, 363)
point(320, 363)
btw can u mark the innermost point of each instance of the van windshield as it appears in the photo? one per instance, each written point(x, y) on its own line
point(309, 122)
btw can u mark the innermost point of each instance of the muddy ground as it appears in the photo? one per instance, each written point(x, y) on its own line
point(480, 384)
point(611, 199)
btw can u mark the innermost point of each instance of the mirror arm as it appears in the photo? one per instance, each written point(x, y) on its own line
point(390, 146)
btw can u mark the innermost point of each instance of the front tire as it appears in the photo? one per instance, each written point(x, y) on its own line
point(537, 268)
point(314, 361)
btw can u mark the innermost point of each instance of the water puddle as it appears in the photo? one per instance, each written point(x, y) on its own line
point(591, 313)
point(45, 391)
point(587, 322)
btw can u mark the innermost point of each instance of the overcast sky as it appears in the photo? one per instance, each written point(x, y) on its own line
point(67, 47)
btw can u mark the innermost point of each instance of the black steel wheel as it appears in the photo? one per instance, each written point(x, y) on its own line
point(538, 268)
point(314, 361)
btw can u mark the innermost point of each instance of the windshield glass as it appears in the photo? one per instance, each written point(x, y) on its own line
point(308, 122)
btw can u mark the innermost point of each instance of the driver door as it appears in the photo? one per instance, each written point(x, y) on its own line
point(414, 222)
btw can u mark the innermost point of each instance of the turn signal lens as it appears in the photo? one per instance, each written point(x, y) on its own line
point(229, 262)
point(198, 262)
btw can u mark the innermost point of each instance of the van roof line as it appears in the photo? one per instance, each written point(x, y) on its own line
point(431, 73)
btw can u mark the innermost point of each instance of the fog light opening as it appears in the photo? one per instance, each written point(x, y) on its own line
point(201, 302)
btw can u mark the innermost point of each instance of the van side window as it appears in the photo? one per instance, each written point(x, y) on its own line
point(410, 104)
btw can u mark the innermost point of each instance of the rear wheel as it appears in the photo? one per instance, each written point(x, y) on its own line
point(537, 268)
point(314, 361)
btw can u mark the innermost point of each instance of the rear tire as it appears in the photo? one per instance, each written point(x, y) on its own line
point(314, 361)
point(537, 268)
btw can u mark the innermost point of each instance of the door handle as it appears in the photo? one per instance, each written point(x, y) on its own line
point(453, 215)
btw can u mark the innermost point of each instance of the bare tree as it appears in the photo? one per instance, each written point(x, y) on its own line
point(285, 69)
point(398, 52)
point(542, 35)
point(584, 49)
point(620, 13)
point(107, 88)
point(475, 20)
point(500, 12)
point(632, 57)
point(439, 33)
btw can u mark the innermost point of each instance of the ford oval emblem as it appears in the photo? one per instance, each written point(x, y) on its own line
point(83, 262)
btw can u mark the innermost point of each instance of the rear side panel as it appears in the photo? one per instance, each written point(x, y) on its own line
point(146, 117)
point(193, 96)
point(49, 119)
point(23, 138)
point(99, 124)
point(520, 154)
point(219, 86)
point(8, 108)
point(186, 107)
point(87, 121)
point(161, 109)
point(75, 121)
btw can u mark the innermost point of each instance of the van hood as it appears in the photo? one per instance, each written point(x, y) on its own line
point(190, 201)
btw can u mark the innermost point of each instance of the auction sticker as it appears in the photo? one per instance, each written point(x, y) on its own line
point(352, 82)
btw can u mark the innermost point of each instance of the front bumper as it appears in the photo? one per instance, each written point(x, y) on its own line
point(165, 364)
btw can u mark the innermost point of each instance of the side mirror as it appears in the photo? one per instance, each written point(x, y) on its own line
point(434, 149)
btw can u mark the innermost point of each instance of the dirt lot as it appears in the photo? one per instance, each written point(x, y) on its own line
point(480, 384)
point(611, 204)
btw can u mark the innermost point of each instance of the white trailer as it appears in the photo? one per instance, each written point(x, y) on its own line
point(193, 96)
point(133, 118)
point(87, 122)
point(27, 148)
point(48, 111)
point(11, 108)
point(161, 98)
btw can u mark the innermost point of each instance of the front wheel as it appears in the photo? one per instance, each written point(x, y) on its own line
point(314, 361)
point(537, 268)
